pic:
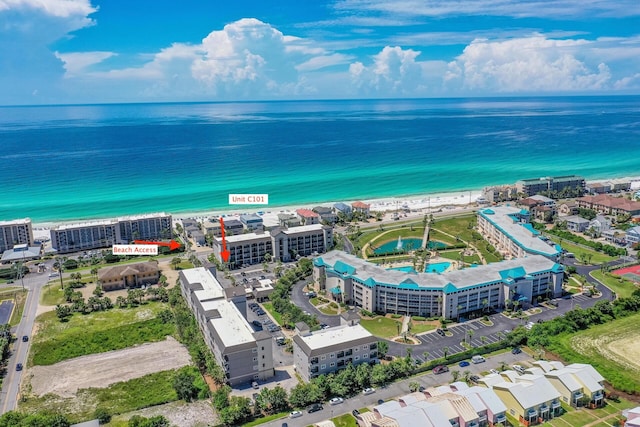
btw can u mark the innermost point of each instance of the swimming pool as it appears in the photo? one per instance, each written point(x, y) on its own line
point(437, 267)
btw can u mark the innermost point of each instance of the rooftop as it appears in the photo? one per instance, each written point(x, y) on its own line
point(144, 216)
point(307, 213)
point(371, 275)
point(15, 222)
point(336, 336)
point(96, 223)
point(211, 288)
point(522, 234)
point(231, 326)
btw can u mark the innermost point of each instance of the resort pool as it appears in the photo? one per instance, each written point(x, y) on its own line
point(437, 267)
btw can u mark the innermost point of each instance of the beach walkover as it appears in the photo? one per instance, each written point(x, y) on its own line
point(425, 237)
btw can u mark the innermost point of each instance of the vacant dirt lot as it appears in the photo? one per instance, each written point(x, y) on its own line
point(103, 369)
point(627, 349)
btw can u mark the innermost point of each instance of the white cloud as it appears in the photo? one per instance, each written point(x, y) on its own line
point(528, 65)
point(556, 9)
point(59, 8)
point(394, 71)
point(77, 63)
point(319, 62)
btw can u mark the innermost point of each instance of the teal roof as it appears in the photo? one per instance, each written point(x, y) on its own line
point(449, 288)
point(336, 290)
point(529, 227)
point(488, 211)
point(512, 273)
point(343, 268)
point(557, 268)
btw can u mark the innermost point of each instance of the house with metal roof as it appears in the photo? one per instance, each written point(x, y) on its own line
point(579, 384)
point(529, 398)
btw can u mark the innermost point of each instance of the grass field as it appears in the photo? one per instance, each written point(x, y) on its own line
point(458, 226)
point(621, 286)
point(346, 420)
point(150, 390)
point(52, 295)
point(420, 327)
point(604, 416)
point(381, 326)
point(274, 314)
point(96, 332)
point(579, 251)
point(613, 349)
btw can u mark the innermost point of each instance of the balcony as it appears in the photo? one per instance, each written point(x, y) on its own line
point(314, 360)
point(555, 404)
point(501, 418)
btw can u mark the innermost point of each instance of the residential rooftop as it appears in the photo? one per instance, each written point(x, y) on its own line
point(522, 234)
point(230, 325)
point(371, 274)
point(211, 288)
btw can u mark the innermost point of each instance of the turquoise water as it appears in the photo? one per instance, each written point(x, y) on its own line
point(91, 161)
point(437, 267)
point(408, 244)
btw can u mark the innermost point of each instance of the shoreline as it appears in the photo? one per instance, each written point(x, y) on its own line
point(413, 202)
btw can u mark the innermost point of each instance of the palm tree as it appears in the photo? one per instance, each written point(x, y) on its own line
point(425, 354)
point(445, 350)
point(455, 374)
point(467, 376)
point(94, 273)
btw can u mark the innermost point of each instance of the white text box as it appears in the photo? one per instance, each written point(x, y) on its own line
point(248, 199)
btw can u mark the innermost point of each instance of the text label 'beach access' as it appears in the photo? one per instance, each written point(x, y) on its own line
point(135, 249)
point(248, 199)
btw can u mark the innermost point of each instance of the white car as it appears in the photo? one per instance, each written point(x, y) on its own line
point(519, 369)
point(336, 401)
point(295, 414)
point(493, 371)
point(369, 390)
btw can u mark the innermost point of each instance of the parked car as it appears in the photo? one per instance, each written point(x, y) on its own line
point(474, 378)
point(355, 412)
point(255, 385)
point(260, 312)
point(311, 294)
point(440, 332)
point(25, 338)
point(336, 401)
point(314, 408)
point(493, 371)
point(464, 363)
point(295, 414)
point(257, 324)
point(516, 350)
point(478, 359)
point(519, 369)
point(19, 367)
point(380, 401)
point(440, 369)
point(369, 390)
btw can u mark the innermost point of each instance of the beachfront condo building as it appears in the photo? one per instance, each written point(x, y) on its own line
point(332, 349)
point(15, 232)
point(84, 236)
point(154, 226)
point(89, 235)
point(509, 230)
point(451, 294)
point(556, 186)
point(243, 354)
point(609, 205)
point(284, 244)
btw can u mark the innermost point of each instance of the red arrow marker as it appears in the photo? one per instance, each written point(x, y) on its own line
point(172, 244)
point(225, 252)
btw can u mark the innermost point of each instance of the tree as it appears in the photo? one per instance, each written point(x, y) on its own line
point(455, 374)
point(98, 291)
point(414, 386)
point(183, 384)
point(383, 348)
point(94, 273)
point(466, 375)
point(379, 375)
point(304, 394)
point(102, 415)
point(425, 355)
point(363, 375)
point(63, 312)
point(272, 401)
point(238, 411)
point(140, 421)
point(445, 350)
point(175, 262)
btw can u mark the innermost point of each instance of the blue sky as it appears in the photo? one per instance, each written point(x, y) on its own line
point(95, 51)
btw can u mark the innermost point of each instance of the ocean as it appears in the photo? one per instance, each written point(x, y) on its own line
point(95, 161)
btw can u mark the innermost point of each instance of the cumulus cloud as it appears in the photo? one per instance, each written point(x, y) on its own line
point(528, 64)
point(394, 71)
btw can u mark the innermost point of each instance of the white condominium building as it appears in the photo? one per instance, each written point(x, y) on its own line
point(15, 232)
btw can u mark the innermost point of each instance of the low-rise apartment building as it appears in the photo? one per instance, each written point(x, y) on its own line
point(500, 193)
point(243, 354)
point(284, 244)
point(450, 294)
point(327, 215)
point(510, 231)
point(579, 384)
point(609, 205)
point(552, 186)
point(308, 217)
point(252, 222)
point(332, 349)
point(15, 232)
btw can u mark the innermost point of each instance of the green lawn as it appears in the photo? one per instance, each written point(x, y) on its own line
point(579, 251)
point(149, 390)
point(274, 314)
point(419, 328)
point(618, 284)
point(331, 309)
point(346, 420)
point(52, 295)
point(458, 226)
point(96, 332)
point(381, 326)
point(594, 346)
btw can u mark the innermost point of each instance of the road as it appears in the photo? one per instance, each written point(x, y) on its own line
point(395, 390)
point(33, 282)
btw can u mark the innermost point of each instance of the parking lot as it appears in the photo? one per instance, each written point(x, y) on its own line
point(264, 322)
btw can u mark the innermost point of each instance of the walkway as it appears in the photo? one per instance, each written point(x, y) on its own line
point(425, 237)
point(405, 325)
